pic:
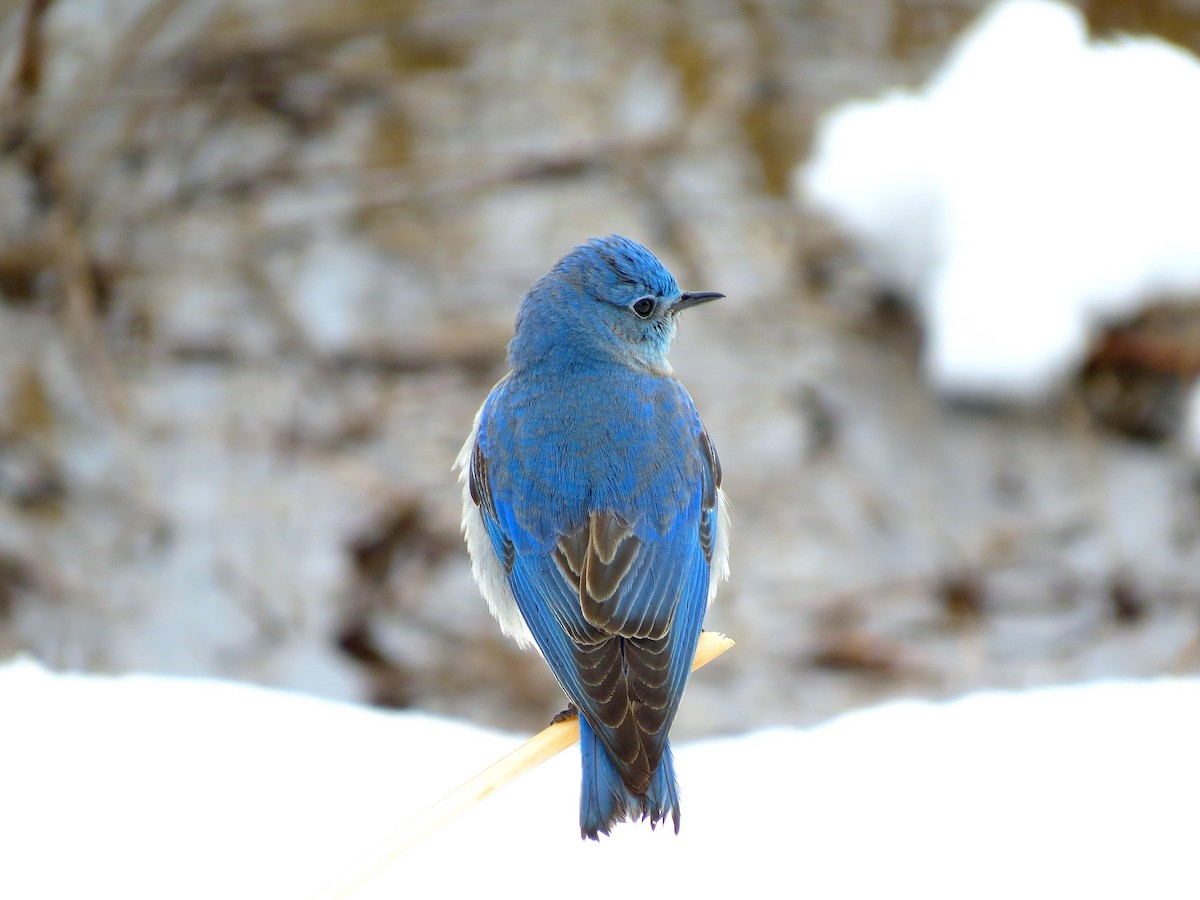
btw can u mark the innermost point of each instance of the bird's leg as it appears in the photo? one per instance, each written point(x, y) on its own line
point(569, 713)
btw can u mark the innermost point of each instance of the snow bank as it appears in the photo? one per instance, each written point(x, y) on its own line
point(1039, 185)
point(156, 787)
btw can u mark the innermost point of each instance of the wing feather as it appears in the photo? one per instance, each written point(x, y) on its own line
point(616, 612)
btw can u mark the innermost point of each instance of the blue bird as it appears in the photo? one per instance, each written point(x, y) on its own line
point(594, 516)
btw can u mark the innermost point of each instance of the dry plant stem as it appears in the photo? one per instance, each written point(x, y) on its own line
point(70, 253)
point(79, 285)
point(541, 747)
point(27, 75)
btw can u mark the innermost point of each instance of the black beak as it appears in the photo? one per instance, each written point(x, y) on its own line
point(688, 299)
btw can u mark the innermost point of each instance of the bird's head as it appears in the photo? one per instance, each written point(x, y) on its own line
point(609, 298)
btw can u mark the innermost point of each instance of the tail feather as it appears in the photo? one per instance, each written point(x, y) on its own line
point(605, 799)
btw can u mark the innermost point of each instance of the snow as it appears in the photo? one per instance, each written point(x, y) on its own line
point(141, 786)
point(1038, 186)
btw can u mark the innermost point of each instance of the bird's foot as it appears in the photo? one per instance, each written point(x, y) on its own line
point(571, 712)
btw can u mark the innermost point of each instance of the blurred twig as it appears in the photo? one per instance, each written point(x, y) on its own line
point(1156, 353)
point(68, 252)
point(27, 74)
point(543, 746)
point(77, 272)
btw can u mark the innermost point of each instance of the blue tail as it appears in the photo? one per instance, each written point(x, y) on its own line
point(604, 799)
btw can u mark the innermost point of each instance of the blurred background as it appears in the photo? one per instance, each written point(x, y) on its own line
point(259, 262)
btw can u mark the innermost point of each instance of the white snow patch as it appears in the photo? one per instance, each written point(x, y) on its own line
point(1039, 185)
point(159, 787)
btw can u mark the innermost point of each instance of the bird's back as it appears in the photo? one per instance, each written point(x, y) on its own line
point(605, 438)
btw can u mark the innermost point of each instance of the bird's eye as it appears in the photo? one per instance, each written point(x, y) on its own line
point(644, 307)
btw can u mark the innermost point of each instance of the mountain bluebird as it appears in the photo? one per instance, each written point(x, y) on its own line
point(594, 516)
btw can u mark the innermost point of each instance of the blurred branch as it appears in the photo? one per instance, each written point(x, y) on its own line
point(26, 78)
point(78, 275)
point(67, 251)
point(27, 75)
point(477, 352)
point(1155, 353)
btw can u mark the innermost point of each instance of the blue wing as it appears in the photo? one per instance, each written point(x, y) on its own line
point(615, 607)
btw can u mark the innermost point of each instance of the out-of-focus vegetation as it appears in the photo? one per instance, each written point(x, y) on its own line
point(258, 263)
